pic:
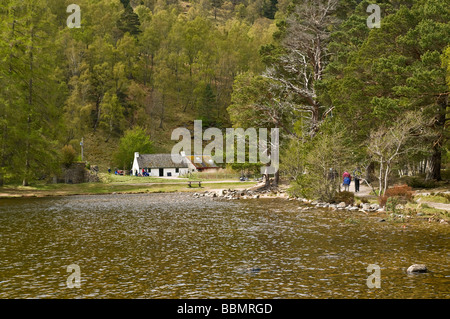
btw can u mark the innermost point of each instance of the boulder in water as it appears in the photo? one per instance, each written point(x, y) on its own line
point(417, 268)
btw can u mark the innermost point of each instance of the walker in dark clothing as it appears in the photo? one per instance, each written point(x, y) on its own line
point(356, 184)
point(357, 174)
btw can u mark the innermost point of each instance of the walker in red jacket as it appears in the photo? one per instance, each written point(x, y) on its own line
point(347, 178)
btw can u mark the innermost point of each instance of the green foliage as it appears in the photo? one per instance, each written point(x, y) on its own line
point(376, 76)
point(446, 64)
point(206, 105)
point(68, 155)
point(325, 155)
point(418, 182)
point(160, 64)
point(399, 194)
point(31, 92)
point(129, 20)
point(351, 221)
point(269, 8)
point(157, 64)
point(392, 203)
point(134, 140)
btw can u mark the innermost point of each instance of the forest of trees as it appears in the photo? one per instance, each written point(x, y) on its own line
point(341, 93)
point(153, 64)
point(349, 97)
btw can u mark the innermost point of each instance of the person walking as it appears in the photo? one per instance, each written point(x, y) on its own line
point(356, 175)
point(347, 178)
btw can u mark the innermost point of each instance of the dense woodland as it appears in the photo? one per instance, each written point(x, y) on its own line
point(344, 96)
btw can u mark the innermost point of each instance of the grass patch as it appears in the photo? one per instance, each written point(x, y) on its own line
point(436, 198)
point(431, 211)
point(108, 188)
point(425, 210)
point(220, 174)
point(112, 178)
point(351, 221)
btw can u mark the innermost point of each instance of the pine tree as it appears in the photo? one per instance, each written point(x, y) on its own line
point(269, 8)
point(129, 20)
point(206, 105)
point(31, 88)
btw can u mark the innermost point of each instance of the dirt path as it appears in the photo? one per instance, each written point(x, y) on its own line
point(423, 200)
point(366, 191)
point(437, 205)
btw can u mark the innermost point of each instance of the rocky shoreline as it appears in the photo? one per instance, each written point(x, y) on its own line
point(228, 194)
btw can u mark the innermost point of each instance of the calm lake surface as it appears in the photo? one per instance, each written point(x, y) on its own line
point(175, 246)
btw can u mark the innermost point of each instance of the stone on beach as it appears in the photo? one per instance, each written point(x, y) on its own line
point(341, 205)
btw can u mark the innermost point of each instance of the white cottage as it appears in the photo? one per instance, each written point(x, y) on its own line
point(159, 165)
point(162, 165)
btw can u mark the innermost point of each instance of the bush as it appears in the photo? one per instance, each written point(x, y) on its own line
point(392, 202)
point(399, 193)
point(347, 197)
point(68, 155)
point(416, 182)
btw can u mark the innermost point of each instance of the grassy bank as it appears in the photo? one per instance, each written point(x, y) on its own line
point(131, 186)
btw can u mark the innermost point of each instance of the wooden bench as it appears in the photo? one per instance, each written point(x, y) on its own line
point(199, 183)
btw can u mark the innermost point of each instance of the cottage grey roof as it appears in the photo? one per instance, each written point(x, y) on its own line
point(160, 161)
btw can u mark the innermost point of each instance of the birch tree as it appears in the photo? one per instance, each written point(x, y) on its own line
point(388, 143)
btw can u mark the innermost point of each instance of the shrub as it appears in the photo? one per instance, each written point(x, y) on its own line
point(392, 202)
point(398, 193)
point(421, 183)
point(68, 155)
point(347, 197)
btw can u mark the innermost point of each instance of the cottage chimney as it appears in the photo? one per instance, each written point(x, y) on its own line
point(136, 154)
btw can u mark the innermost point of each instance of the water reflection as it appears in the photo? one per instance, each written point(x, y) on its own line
point(174, 246)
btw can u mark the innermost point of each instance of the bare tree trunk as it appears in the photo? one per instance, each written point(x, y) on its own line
point(276, 179)
point(386, 177)
point(266, 180)
point(439, 125)
point(433, 170)
point(380, 182)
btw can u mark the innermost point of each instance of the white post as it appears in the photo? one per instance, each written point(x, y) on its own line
point(82, 144)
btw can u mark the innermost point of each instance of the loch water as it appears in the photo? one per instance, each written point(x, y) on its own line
point(177, 246)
